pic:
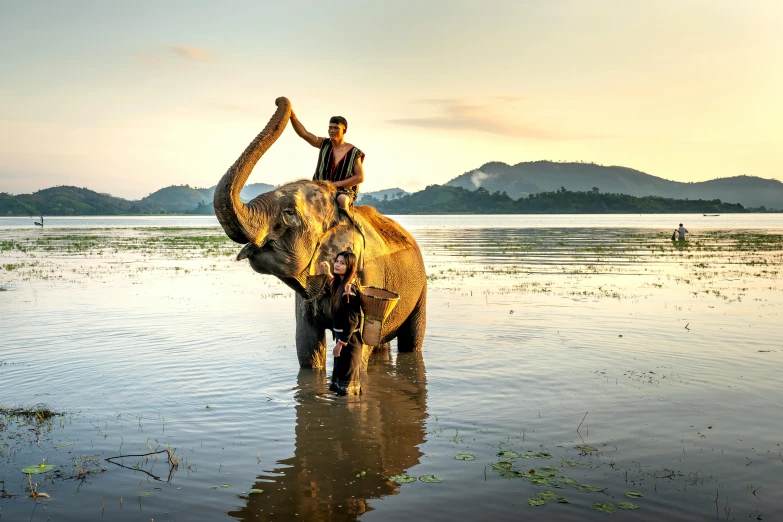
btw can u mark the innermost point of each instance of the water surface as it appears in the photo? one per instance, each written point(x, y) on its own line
point(146, 336)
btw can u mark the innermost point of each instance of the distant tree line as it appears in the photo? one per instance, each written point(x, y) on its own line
point(445, 199)
point(435, 199)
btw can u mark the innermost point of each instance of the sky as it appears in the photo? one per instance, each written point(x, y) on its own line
point(128, 97)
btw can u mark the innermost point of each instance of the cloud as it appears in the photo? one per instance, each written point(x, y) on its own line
point(190, 53)
point(478, 176)
point(460, 114)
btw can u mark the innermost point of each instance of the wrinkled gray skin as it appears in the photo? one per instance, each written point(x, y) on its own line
point(287, 232)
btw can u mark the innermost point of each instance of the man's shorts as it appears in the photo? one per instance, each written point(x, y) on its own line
point(351, 192)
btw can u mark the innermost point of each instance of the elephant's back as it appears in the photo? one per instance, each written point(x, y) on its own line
point(389, 230)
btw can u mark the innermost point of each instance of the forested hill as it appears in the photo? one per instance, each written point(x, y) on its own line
point(74, 201)
point(444, 199)
point(545, 176)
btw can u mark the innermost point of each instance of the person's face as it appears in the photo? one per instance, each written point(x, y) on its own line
point(336, 131)
point(339, 265)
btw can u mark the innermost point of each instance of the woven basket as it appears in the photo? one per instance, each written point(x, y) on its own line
point(377, 304)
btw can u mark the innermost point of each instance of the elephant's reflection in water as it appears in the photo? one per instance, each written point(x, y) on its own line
point(338, 438)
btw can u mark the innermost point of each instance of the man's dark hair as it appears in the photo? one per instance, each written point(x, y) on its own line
point(338, 120)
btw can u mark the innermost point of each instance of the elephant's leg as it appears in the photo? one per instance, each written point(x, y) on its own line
point(310, 339)
point(366, 353)
point(410, 336)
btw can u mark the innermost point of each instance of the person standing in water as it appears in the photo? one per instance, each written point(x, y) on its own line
point(346, 323)
point(682, 231)
point(339, 162)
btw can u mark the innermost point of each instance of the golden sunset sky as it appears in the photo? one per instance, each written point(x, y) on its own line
point(128, 97)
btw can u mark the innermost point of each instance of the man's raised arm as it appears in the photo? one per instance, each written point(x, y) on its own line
point(309, 137)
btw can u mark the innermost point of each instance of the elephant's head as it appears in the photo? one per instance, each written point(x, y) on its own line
point(283, 229)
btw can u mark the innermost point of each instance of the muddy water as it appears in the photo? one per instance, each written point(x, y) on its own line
point(666, 356)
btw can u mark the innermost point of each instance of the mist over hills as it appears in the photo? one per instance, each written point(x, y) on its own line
point(535, 177)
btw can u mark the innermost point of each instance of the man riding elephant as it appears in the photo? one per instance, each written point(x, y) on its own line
point(339, 163)
point(290, 230)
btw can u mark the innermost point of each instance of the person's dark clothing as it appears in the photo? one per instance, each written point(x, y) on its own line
point(346, 324)
point(326, 170)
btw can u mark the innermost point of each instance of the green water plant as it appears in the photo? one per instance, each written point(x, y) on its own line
point(402, 479)
point(627, 505)
point(509, 454)
point(431, 479)
point(536, 455)
point(633, 494)
point(588, 489)
point(605, 507)
point(35, 469)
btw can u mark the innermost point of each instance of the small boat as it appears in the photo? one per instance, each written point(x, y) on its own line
point(711, 215)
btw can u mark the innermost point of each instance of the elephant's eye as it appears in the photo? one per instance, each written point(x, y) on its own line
point(289, 211)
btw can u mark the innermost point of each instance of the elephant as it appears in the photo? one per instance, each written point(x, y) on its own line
point(288, 231)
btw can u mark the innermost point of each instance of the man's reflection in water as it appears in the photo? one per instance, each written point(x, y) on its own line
point(338, 438)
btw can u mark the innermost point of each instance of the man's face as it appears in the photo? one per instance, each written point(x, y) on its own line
point(336, 131)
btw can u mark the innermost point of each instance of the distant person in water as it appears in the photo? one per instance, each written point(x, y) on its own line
point(339, 163)
point(682, 231)
point(346, 323)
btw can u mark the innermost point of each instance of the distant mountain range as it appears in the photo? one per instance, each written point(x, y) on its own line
point(535, 177)
point(516, 181)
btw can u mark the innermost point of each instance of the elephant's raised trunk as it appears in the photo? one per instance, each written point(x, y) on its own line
point(243, 223)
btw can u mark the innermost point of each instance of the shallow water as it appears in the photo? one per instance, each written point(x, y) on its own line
point(665, 355)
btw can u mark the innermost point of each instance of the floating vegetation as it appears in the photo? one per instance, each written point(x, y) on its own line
point(509, 454)
point(465, 456)
point(605, 507)
point(536, 455)
point(511, 474)
point(588, 489)
point(547, 495)
point(38, 468)
point(541, 481)
point(430, 479)
point(568, 481)
point(39, 412)
point(501, 466)
point(585, 448)
point(255, 491)
point(573, 463)
point(633, 494)
point(402, 479)
point(627, 505)
point(548, 470)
